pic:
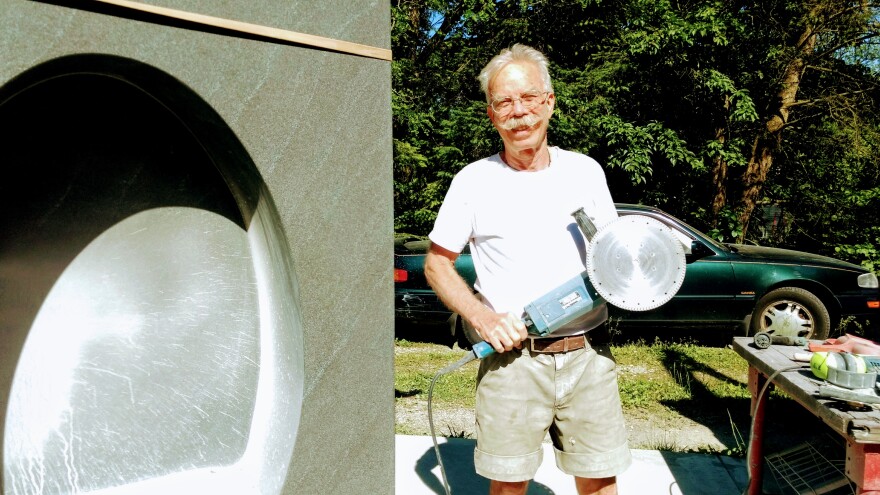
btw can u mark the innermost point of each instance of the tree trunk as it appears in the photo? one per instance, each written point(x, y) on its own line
point(768, 141)
point(719, 182)
point(719, 171)
point(756, 174)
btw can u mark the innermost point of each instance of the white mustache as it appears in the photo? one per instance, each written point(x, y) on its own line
point(524, 121)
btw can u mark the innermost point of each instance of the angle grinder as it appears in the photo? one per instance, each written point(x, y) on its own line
point(634, 263)
point(763, 340)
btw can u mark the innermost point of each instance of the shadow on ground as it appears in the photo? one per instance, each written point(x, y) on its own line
point(457, 455)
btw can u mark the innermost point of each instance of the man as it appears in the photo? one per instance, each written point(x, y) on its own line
point(514, 208)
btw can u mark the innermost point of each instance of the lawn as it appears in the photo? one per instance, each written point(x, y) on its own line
point(679, 396)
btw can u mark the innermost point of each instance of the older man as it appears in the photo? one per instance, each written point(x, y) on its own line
point(514, 208)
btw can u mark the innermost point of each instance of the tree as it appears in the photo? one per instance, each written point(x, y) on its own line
point(820, 31)
point(714, 110)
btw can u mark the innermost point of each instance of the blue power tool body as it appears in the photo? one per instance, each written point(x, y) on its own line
point(554, 310)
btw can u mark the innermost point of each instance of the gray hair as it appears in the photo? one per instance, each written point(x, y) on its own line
point(518, 53)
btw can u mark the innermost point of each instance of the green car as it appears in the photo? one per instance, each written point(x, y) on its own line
point(746, 288)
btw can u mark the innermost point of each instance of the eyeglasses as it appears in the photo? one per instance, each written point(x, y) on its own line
point(528, 100)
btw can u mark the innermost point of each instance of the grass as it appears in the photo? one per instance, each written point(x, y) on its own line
point(416, 364)
point(653, 377)
point(662, 383)
point(662, 379)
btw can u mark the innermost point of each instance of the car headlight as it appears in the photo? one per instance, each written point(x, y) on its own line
point(868, 281)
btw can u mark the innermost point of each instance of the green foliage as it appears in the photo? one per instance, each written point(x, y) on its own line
point(868, 253)
point(831, 187)
point(727, 227)
point(659, 92)
point(637, 146)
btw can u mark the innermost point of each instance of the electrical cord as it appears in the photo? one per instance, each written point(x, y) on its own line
point(470, 356)
point(752, 425)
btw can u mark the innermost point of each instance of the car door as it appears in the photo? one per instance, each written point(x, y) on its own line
point(708, 293)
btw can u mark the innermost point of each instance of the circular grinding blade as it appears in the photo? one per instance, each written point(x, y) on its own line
point(636, 263)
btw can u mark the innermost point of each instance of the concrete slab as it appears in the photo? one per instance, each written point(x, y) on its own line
point(652, 472)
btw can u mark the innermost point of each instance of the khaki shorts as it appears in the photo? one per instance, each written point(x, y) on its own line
point(522, 396)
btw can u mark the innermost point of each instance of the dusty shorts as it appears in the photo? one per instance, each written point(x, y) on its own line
point(522, 396)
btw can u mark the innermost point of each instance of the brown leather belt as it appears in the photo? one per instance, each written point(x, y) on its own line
point(560, 344)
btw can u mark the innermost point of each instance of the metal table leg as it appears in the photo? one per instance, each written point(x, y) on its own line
point(863, 466)
point(756, 441)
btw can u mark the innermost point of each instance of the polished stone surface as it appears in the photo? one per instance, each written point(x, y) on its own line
point(193, 265)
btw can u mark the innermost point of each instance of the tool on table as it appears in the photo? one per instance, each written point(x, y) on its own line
point(867, 351)
point(864, 395)
point(847, 377)
point(822, 362)
point(763, 340)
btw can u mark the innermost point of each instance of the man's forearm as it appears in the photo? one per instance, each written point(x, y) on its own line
point(450, 287)
point(502, 331)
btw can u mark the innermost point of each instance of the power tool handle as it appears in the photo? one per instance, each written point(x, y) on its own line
point(588, 228)
point(789, 340)
point(482, 349)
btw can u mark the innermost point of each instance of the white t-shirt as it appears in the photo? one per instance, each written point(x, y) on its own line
point(524, 239)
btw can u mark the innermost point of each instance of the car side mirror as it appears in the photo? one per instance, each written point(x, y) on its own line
point(698, 251)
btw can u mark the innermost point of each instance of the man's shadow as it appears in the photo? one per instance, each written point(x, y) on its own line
point(458, 463)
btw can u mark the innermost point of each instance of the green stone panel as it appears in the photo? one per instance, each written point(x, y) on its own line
point(316, 127)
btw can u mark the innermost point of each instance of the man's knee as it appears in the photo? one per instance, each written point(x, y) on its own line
point(596, 486)
point(508, 487)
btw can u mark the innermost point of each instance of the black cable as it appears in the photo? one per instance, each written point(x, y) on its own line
point(470, 356)
point(752, 425)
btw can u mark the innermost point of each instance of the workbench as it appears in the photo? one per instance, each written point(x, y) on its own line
point(860, 427)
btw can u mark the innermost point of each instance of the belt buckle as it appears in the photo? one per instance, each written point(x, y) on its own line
point(545, 350)
point(533, 349)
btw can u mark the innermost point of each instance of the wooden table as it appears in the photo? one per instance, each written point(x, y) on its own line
point(860, 429)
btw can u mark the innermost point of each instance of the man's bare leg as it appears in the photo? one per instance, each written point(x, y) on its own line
point(508, 488)
point(596, 486)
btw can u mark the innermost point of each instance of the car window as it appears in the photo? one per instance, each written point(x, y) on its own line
point(682, 230)
point(411, 246)
point(417, 245)
point(683, 238)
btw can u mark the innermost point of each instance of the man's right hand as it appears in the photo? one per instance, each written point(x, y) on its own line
point(503, 331)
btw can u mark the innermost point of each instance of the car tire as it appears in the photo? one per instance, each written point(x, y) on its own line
point(791, 311)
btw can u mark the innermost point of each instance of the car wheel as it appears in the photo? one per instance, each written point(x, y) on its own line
point(791, 311)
